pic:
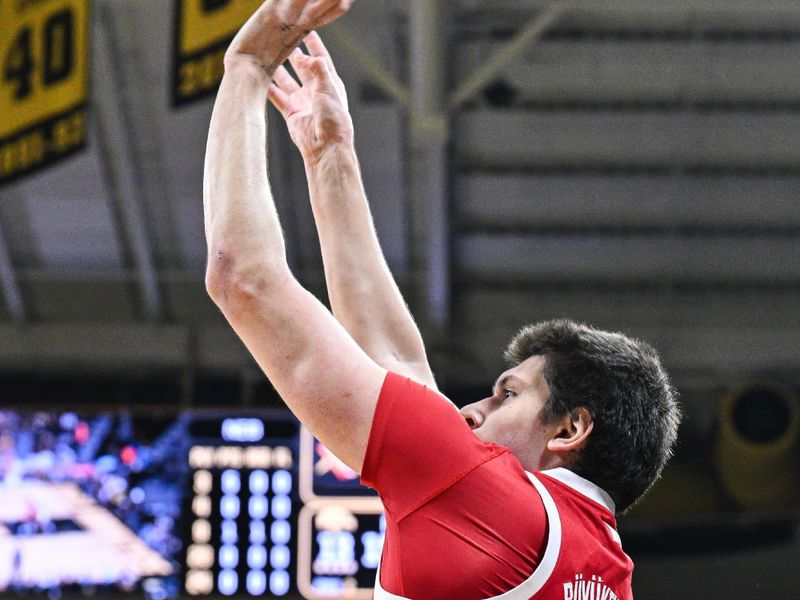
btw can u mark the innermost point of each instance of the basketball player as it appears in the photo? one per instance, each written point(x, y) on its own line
point(513, 497)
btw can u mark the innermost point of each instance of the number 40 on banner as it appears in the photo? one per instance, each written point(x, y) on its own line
point(43, 83)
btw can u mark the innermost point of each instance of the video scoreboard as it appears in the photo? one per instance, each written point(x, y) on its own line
point(272, 512)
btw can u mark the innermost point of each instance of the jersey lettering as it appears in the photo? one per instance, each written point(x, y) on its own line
point(582, 589)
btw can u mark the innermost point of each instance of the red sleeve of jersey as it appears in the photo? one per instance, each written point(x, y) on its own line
point(419, 446)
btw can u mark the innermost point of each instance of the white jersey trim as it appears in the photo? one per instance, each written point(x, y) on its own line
point(583, 486)
point(614, 534)
point(544, 569)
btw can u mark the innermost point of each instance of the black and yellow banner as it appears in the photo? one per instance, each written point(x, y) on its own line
point(203, 30)
point(43, 82)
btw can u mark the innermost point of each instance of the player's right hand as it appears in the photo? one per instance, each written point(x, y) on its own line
point(276, 28)
point(315, 109)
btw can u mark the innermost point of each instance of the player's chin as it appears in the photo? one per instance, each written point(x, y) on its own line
point(483, 434)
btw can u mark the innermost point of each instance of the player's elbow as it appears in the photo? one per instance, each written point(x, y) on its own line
point(234, 284)
point(225, 285)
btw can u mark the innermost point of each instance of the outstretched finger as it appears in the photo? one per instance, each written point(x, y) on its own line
point(298, 61)
point(285, 81)
point(313, 43)
point(310, 67)
point(313, 70)
point(322, 12)
point(278, 98)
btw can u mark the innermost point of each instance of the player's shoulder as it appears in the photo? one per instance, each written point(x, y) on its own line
point(398, 385)
point(503, 480)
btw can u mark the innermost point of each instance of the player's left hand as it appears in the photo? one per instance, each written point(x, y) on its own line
point(315, 109)
point(276, 28)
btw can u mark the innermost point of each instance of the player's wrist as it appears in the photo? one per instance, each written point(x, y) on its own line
point(247, 66)
point(338, 153)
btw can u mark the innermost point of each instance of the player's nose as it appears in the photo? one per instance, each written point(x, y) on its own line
point(472, 415)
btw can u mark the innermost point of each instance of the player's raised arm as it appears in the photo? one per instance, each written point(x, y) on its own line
point(364, 296)
point(316, 367)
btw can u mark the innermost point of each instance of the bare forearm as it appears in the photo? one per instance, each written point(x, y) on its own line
point(242, 227)
point(364, 296)
point(323, 376)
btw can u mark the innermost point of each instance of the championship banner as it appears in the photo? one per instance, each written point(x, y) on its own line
point(43, 82)
point(203, 30)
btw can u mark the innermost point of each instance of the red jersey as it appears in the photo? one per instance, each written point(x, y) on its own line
point(464, 521)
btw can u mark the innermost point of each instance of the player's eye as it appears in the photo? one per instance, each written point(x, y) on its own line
point(507, 394)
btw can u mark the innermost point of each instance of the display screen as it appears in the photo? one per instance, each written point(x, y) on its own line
point(90, 501)
point(201, 504)
point(340, 545)
point(242, 513)
point(341, 527)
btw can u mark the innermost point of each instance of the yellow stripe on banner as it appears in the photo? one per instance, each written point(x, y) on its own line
point(203, 30)
point(205, 23)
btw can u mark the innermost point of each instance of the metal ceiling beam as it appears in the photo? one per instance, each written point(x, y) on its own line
point(535, 28)
point(707, 353)
point(9, 285)
point(429, 135)
point(127, 23)
point(120, 168)
point(425, 102)
point(698, 15)
point(120, 348)
point(379, 75)
point(429, 109)
point(421, 26)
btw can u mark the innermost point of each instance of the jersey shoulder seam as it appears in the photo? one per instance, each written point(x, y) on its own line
point(450, 483)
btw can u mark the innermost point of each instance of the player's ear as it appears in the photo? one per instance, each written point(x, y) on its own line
point(572, 432)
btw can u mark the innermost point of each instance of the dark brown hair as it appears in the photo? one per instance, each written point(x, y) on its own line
point(621, 382)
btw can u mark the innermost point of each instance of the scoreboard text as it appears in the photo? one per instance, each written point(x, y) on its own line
point(271, 512)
